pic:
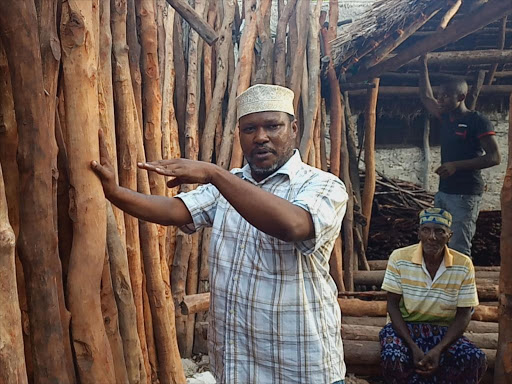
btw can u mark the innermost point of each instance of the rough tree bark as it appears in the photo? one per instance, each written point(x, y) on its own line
point(111, 321)
point(12, 358)
point(152, 101)
point(222, 51)
point(79, 38)
point(128, 128)
point(503, 372)
point(314, 72)
point(106, 98)
point(245, 62)
point(37, 241)
point(124, 299)
point(280, 44)
point(171, 370)
point(134, 55)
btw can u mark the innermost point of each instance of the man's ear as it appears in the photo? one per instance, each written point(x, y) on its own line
point(295, 127)
point(461, 97)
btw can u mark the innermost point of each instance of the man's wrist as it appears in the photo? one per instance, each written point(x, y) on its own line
point(216, 174)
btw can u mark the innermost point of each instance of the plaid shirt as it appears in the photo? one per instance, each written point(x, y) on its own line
point(274, 317)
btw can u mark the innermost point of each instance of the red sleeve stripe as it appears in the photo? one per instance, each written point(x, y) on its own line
point(487, 134)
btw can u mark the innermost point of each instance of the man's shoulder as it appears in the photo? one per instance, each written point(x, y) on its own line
point(460, 259)
point(404, 254)
point(310, 173)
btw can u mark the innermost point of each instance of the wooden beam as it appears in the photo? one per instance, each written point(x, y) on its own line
point(397, 38)
point(195, 303)
point(414, 91)
point(504, 366)
point(488, 13)
point(501, 44)
point(359, 352)
point(448, 16)
point(358, 308)
point(197, 23)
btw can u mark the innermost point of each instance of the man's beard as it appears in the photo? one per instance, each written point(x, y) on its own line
point(267, 171)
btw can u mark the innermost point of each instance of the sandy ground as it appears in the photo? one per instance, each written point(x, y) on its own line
point(196, 371)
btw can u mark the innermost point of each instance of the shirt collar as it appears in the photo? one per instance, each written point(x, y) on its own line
point(417, 257)
point(290, 168)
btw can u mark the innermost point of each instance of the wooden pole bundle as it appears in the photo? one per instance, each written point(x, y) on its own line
point(136, 70)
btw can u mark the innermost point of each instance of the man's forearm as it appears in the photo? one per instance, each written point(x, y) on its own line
point(156, 209)
point(269, 213)
point(400, 326)
point(480, 162)
point(456, 329)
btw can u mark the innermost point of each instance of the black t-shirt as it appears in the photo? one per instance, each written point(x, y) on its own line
point(460, 140)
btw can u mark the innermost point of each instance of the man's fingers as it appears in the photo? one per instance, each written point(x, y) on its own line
point(103, 146)
point(174, 183)
point(99, 169)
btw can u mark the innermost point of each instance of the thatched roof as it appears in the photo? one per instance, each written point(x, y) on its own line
point(381, 18)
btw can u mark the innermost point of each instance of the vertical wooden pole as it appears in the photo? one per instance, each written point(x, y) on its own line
point(370, 122)
point(302, 19)
point(80, 43)
point(124, 297)
point(426, 152)
point(489, 78)
point(503, 368)
point(12, 359)
point(128, 128)
point(111, 321)
point(38, 240)
point(245, 63)
point(280, 43)
point(314, 71)
point(134, 53)
point(474, 92)
point(222, 50)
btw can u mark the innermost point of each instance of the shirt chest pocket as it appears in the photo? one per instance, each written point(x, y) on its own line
point(275, 256)
point(461, 132)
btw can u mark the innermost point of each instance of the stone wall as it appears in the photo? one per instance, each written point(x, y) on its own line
point(407, 164)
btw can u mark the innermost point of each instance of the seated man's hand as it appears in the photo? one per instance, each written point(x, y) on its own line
point(430, 362)
point(417, 355)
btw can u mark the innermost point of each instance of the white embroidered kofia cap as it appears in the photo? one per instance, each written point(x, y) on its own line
point(264, 98)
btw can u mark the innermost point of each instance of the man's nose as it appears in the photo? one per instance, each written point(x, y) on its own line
point(261, 135)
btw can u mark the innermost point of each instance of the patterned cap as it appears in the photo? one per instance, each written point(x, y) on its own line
point(436, 216)
point(264, 98)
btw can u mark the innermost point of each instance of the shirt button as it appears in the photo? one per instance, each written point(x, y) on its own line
point(231, 311)
point(242, 246)
point(231, 342)
point(235, 278)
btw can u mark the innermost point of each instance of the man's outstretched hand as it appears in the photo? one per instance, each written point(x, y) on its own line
point(104, 169)
point(182, 171)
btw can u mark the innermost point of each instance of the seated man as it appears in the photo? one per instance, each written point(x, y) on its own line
point(431, 292)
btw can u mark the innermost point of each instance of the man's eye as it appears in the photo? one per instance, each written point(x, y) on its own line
point(248, 129)
point(273, 127)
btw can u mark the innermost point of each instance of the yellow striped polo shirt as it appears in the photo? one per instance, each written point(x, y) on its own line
point(427, 300)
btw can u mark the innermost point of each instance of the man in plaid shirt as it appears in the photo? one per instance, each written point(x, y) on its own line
point(274, 316)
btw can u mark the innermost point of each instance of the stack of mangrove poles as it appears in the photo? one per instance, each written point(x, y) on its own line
point(92, 291)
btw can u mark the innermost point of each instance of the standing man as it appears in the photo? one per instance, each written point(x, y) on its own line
point(274, 316)
point(467, 146)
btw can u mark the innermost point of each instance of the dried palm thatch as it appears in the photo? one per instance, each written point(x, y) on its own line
point(381, 19)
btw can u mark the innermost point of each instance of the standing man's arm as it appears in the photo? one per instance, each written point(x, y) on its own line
point(491, 158)
point(426, 93)
point(267, 212)
point(156, 209)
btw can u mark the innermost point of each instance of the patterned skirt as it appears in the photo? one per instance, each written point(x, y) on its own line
point(461, 363)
